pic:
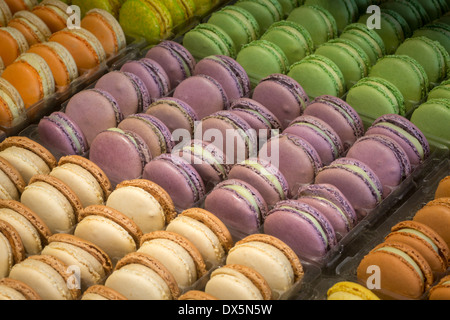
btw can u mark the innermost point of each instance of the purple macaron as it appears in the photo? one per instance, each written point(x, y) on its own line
point(238, 205)
point(283, 96)
point(385, 157)
point(93, 120)
point(302, 227)
point(128, 89)
point(180, 180)
point(203, 93)
point(121, 154)
point(59, 133)
point(339, 115)
point(228, 72)
point(296, 158)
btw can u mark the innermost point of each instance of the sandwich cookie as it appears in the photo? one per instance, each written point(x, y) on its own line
point(53, 13)
point(346, 290)
point(431, 117)
point(441, 290)
point(441, 91)
point(11, 181)
point(112, 231)
point(266, 12)
point(145, 202)
point(344, 12)
point(31, 26)
point(11, 289)
point(443, 188)
point(53, 201)
point(18, 5)
point(5, 14)
point(413, 12)
point(437, 31)
point(13, 251)
point(32, 230)
point(12, 107)
point(93, 263)
point(101, 292)
point(196, 295)
point(181, 11)
point(14, 44)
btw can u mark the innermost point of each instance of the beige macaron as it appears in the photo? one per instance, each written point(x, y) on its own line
point(109, 229)
point(33, 231)
point(101, 292)
point(11, 248)
point(211, 237)
point(177, 254)
point(144, 201)
point(93, 263)
point(196, 295)
point(270, 257)
point(85, 178)
point(51, 278)
point(53, 201)
point(138, 276)
point(238, 282)
point(11, 289)
point(11, 181)
point(27, 156)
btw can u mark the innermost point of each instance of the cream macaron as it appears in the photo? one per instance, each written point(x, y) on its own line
point(31, 26)
point(85, 178)
point(11, 248)
point(33, 231)
point(138, 276)
point(109, 229)
point(101, 292)
point(11, 289)
point(92, 262)
point(11, 181)
point(211, 237)
point(144, 201)
point(177, 254)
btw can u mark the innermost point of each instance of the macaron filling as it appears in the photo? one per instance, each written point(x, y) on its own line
point(246, 194)
point(404, 256)
point(206, 155)
point(420, 235)
point(273, 179)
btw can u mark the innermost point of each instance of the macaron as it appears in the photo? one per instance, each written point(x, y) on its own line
point(202, 7)
point(373, 97)
point(295, 157)
point(11, 289)
point(344, 12)
point(84, 47)
point(425, 240)
point(145, 202)
point(348, 175)
point(238, 282)
point(12, 107)
point(411, 279)
point(318, 76)
point(47, 276)
point(32, 230)
point(266, 12)
point(59, 133)
point(84, 177)
point(443, 188)
point(101, 292)
point(261, 58)
point(176, 60)
point(13, 251)
point(11, 181)
point(138, 276)
point(27, 156)
point(433, 8)
point(181, 11)
point(245, 207)
point(152, 130)
point(135, 15)
point(436, 31)
point(32, 77)
point(178, 177)
point(53, 13)
point(128, 148)
point(196, 295)
point(230, 74)
point(413, 12)
point(152, 74)
point(60, 61)
point(206, 231)
point(270, 257)
point(264, 176)
point(441, 91)
point(93, 263)
point(31, 26)
point(282, 95)
point(431, 118)
point(177, 254)
point(5, 14)
point(208, 39)
point(238, 23)
point(112, 231)
point(347, 290)
point(317, 20)
point(15, 6)
point(53, 201)
point(440, 291)
point(320, 135)
point(91, 121)
point(405, 133)
point(106, 28)
point(339, 115)
point(392, 164)
point(127, 89)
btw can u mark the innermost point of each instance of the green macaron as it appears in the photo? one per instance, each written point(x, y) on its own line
point(437, 31)
point(373, 97)
point(112, 6)
point(180, 10)
point(265, 12)
point(432, 118)
point(442, 91)
point(288, 6)
point(292, 38)
point(318, 76)
point(413, 12)
point(344, 11)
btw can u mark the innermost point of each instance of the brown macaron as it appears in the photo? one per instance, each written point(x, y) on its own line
point(101, 292)
point(402, 272)
point(196, 295)
point(12, 249)
point(15, 290)
point(11, 181)
point(440, 291)
point(425, 240)
point(443, 188)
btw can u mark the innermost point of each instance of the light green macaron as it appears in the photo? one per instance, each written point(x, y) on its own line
point(437, 31)
point(265, 12)
point(432, 118)
point(413, 12)
point(442, 91)
point(344, 11)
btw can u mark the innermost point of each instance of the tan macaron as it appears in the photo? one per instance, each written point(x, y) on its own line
point(101, 292)
point(11, 289)
point(11, 248)
point(441, 290)
point(196, 295)
point(93, 263)
point(177, 254)
point(443, 188)
point(11, 181)
point(138, 276)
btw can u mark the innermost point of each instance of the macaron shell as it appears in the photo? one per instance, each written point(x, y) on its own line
point(346, 290)
point(15, 6)
point(443, 188)
point(440, 291)
point(15, 179)
point(31, 26)
point(53, 16)
point(196, 295)
point(21, 288)
point(101, 292)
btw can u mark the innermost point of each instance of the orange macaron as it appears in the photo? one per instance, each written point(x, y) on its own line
point(13, 45)
point(53, 13)
point(31, 26)
point(18, 5)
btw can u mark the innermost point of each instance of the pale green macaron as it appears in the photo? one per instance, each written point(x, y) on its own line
point(441, 91)
point(344, 11)
point(432, 118)
point(266, 12)
point(437, 31)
